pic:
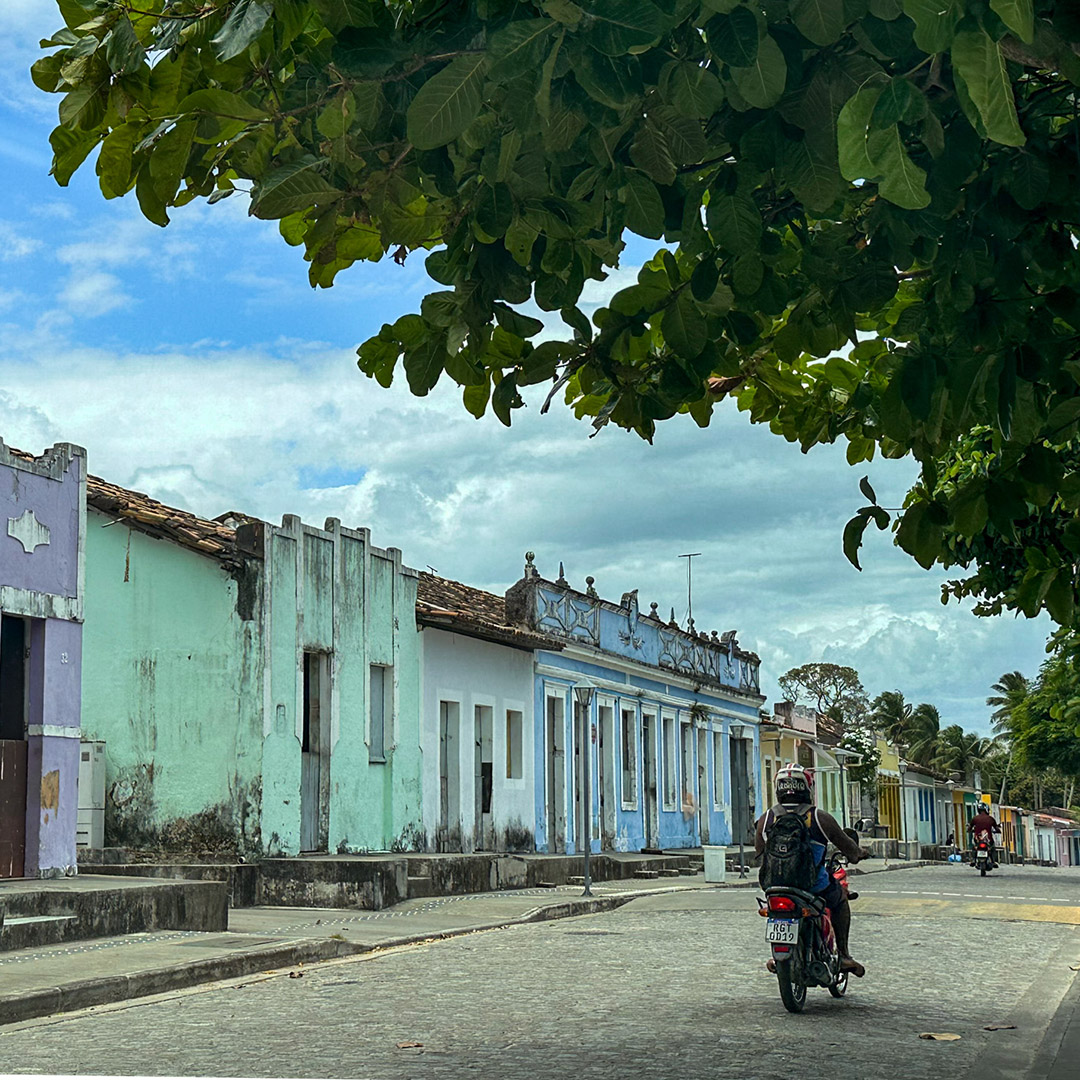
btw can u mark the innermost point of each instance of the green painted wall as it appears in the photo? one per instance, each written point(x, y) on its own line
point(171, 682)
point(333, 593)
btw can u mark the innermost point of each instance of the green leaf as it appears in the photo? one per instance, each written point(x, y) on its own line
point(1017, 15)
point(475, 398)
point(169, 161)
point(762, 83)
point(705, 278)
point(290, 188)
point(513, 322)
point(505, 398)
point(70, 149)
point(853, 134)
point(896, 100)
point(867, 490)
point(684, 327)
point(644, 209)
point(651, 154)
point(903, 182)
point(853, 538)
point(447, 103)
point(812, 171)
point(114, 161)
point(520, 46)
point(1028, 180)
point(123, 50)
point(694, 90)
point(241, 28)
point(979, 62)
point(734, 222)
point(622, 25)
point(222, 103)
point(424, 363)
point(337, 14)
point(935, 22)
point(734, 38)
point(820, 21)
point(495, 209)
point(919, 536)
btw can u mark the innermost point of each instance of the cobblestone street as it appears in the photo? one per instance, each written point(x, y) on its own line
point(667, 987)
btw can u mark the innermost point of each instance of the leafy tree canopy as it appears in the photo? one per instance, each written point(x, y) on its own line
point(833, 689)
point(1044, 727)
point(866, 209)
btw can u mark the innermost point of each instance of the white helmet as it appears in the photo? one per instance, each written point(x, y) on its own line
point(794, 785)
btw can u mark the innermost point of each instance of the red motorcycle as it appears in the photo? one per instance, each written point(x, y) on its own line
point(800, 931)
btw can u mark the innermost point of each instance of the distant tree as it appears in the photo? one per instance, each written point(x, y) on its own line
point(925, 733)
point(833, 689)
point(891, 715)
point(1045, 727)
point(1010, 690)
point(961, 751)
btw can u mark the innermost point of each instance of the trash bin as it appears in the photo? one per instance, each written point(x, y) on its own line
point(715, 862)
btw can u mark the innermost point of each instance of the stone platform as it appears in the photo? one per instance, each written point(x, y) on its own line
point(375, 882)
point(50, 912)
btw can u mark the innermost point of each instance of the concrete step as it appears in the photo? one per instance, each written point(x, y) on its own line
point(421, 885)
point(669, 871)
point(649, 875)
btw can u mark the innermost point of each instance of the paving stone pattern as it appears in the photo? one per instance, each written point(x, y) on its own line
point(669, 987)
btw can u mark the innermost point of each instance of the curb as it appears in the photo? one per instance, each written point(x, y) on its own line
point(912, 865)
point(109, 989)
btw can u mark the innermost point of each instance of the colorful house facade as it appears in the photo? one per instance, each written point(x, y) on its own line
point(42, 529)
point(255, 686)
point(477, 720)
point(666, 754)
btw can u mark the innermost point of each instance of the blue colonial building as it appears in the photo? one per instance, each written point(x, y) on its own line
point(669, 739)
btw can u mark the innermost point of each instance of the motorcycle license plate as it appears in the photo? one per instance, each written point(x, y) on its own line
point(981, 855)
point(782, 931)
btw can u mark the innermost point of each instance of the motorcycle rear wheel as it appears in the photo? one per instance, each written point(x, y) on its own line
point(839, 988)
point(792, 993)
point(982, 870)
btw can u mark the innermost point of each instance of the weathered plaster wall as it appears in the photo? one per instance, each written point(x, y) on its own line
point(619, 686)
point(331, 592)
point(471, 673)
point(42, 524)
point(171, 683)
point(41, 504)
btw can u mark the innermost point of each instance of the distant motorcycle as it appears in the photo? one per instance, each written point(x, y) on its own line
point(983, 858)
point(804, 950)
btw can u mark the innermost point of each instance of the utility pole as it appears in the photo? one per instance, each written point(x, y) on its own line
point(690, 557)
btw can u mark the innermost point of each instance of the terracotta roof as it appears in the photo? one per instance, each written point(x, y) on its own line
point(451, 605)
point(210, 538)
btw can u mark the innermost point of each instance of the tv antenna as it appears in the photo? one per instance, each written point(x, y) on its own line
point(690, 557)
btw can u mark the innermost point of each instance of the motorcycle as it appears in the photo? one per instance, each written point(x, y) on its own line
point(800, 932)
point(983, 859)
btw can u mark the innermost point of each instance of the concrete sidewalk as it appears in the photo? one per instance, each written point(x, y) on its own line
point(76, 975)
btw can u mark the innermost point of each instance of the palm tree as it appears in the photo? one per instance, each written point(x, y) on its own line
point(961, 751)
point(1011, 689)
point(924, 732)
point(891, 715)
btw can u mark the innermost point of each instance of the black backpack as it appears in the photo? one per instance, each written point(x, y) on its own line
point(789, 860)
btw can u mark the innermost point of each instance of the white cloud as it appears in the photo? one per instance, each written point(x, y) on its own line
point(94, 294)
point(216, 429)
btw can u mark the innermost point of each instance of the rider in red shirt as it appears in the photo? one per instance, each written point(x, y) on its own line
point(983, 822)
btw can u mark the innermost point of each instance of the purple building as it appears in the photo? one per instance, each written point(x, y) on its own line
point(42, 530)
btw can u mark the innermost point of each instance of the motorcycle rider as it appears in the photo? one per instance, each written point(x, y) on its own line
point(794, 788)
point(983, 824)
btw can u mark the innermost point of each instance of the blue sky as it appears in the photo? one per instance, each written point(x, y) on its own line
point(196, 364)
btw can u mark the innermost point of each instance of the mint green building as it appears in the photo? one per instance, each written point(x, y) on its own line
point(256, 686)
